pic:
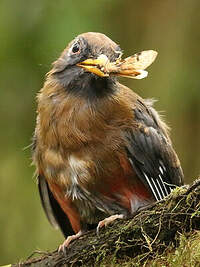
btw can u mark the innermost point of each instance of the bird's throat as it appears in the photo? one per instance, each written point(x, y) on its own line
point(91, 87)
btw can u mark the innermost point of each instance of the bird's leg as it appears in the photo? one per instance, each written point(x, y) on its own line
point(108, 220)
point(68, 240)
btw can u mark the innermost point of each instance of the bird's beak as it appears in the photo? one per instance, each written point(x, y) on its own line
point(95, 65)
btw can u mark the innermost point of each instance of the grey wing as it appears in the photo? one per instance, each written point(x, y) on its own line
point(151, 154)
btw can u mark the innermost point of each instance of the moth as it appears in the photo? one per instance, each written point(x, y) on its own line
point(131, 67)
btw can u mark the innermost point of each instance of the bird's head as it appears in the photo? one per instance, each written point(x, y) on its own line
point(79, 63)
point(90, 63)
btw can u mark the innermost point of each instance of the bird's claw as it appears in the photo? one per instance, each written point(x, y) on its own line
point(108, 220)
point(62, 248)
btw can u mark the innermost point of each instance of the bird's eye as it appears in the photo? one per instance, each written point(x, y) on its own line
point(76, 48)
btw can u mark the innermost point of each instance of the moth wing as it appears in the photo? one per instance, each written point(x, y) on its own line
point(141, 60)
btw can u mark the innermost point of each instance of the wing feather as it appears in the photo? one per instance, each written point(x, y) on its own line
point(151, 154)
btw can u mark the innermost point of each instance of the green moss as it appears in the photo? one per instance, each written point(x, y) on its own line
point(186, 254)
point(165, 234)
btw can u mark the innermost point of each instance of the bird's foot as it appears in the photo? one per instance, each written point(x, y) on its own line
point(108, 220)
point(68, 240)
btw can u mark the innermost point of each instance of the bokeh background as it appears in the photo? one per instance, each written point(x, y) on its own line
point(32, 35)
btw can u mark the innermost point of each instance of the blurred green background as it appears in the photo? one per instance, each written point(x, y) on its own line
point(32, 35)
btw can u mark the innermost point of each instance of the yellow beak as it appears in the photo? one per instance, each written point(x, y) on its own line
point(95, 65)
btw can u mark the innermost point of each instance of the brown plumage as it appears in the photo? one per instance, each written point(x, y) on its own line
point(99, 148)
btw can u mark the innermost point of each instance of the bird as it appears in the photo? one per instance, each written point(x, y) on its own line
point(101, 151)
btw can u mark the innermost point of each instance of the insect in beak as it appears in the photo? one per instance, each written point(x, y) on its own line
point(131, 67)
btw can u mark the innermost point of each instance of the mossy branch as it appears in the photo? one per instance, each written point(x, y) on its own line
point(141, 238)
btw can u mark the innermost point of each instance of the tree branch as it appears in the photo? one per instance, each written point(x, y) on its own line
point(150, 232)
